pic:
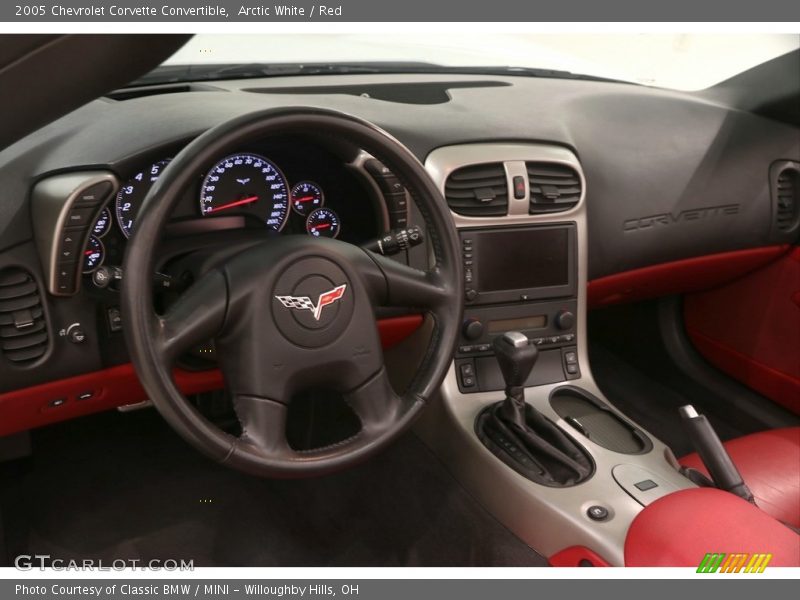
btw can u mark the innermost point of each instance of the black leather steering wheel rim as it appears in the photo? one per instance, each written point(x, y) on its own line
point(212, 306)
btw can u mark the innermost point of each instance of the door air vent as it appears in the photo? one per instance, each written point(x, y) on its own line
point(786, 194)
point(554, 187)
point(478, 190)
point(23, 330)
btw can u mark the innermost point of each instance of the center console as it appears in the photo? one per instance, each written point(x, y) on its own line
point(519, 279)
point(520, 210)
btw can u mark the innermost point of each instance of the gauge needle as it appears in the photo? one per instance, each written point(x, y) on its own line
point(323, 226)
point(247, 200)
point(88, 252)
point(304, 199)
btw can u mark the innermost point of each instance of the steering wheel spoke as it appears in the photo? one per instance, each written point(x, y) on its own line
point(195, 317)
point(405, 286)
point(263, 423)
point(375, 402)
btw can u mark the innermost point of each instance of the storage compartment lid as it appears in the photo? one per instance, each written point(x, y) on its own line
point(598, 422)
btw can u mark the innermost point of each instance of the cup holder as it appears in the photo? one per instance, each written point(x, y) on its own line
point(591, 417)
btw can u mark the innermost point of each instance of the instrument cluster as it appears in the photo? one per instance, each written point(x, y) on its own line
point(310, 192)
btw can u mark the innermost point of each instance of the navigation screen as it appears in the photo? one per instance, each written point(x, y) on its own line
point(522, 259)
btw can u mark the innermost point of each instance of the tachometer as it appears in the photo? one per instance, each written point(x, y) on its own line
point(323, 222)
point(249, 184)
point(132, 194)
point(306, 196)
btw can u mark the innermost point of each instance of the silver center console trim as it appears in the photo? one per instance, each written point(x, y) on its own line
point(548, 519)
point(443, 161)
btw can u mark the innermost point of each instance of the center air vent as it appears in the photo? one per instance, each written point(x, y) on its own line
point(554, 187)
point(786, 196)
point(23, 330)
point(478, 191)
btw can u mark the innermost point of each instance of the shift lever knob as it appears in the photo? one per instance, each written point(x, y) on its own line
point(516, 357)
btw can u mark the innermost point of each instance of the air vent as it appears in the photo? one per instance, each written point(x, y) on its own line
point(787, 199)
point(23, 330)
point(554, 187)
point(478, 191)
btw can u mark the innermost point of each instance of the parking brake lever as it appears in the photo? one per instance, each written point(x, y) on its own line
point(713, 454)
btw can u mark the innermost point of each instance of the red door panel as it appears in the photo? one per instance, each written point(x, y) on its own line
point(750, 329)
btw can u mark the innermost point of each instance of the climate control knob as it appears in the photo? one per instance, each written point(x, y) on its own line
point(565, 319)
point(472, 329)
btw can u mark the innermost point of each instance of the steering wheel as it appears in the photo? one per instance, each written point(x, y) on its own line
point(292, 312)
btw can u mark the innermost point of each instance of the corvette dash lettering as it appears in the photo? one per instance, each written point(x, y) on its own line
point(691, 214)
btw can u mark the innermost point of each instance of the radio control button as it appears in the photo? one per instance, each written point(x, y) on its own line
point(465, 349)
point(483, 348)
point(472, 329)
point(565, 319)
point(470, 294)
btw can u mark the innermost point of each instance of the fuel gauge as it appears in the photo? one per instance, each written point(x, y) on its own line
point(323, 222)
point(93, 255)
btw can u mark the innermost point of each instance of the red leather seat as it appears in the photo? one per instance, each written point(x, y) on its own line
point(770, 465)
point(679, 529)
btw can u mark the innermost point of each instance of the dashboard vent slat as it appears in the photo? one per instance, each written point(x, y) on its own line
point(554, 187)
point(478, 190)
point(23, 329)
point(787, 195)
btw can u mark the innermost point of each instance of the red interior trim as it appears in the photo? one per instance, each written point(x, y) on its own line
point(688, 275)
point(42, 404)
point(749, 328)
point(394, 330)
point(60, 400)
point(574, 556)
point(776, 385)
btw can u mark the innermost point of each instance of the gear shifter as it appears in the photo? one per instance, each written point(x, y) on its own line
point(516, 357)
point(519, 434)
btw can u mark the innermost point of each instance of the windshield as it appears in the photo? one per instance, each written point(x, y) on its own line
point(678, 61)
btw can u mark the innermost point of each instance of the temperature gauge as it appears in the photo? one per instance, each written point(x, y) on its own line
point(323, 222)
point(306, 196)
point(93, 255)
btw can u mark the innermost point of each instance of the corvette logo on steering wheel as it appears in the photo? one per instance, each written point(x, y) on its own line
point(305, 303)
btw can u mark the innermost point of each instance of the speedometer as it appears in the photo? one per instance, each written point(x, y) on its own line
point(246, 184)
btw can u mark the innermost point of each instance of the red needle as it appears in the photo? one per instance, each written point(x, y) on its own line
point(322, 226)
point(247, 200)
point(88, 252)
point(304, 199)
